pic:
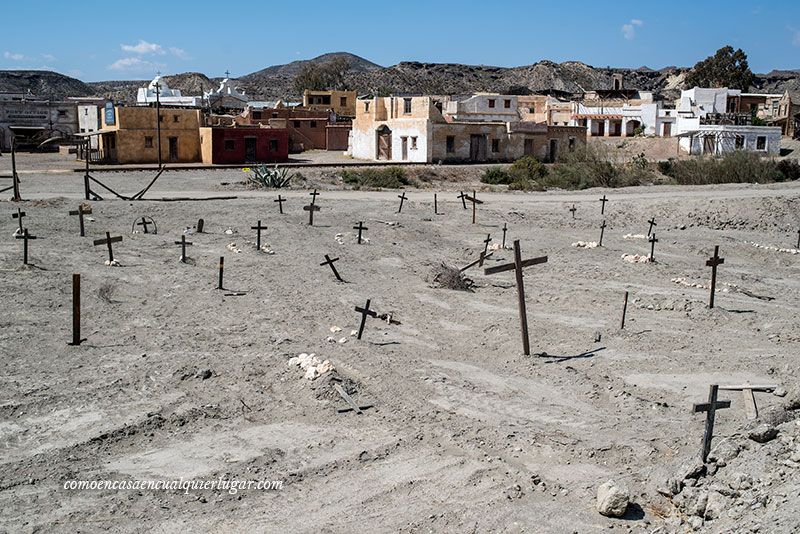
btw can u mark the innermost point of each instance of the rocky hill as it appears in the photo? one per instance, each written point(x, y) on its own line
point(406, 77)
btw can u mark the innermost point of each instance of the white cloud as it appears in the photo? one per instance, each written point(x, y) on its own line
point(629, 29)
point(179, 53)
point(13, 56)
point(135, 64)
point(143, 47)
point(796, 37)
point(49, 57)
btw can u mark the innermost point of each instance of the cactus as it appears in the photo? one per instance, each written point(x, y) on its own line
point(273, 178)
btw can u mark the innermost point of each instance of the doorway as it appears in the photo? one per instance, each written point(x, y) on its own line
point(173, 149)
point(553, 150)
point(249, 149)
point(667, 129)
point(709, 144)
point(528, 147)
point(404, 147)
point(477, 147)
point(384, 143)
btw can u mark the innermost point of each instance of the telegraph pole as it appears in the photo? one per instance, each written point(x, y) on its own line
point(158, 120)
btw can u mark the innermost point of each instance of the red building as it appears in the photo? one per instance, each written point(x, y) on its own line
point(308, 130)
point(220, 145)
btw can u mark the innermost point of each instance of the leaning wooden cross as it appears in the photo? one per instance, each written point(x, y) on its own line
point(108, 241)
point(258, 227)
point(713, 262)
point(402, 199)
point(710, 408)
point(602, 231)
point(352, 406)
point(517, 267)
point(750, 407)
point(19, 215)
point(485, 248)
point(475, 202)
point(280, 200)
point(80, 212)
point(26, 237)
point(365, 311)
point(479, 261)
point(652, 222)
point(183, 244)
point(329, 261)
point(463, 196)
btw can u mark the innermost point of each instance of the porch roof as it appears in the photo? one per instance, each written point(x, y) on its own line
point(599, 116)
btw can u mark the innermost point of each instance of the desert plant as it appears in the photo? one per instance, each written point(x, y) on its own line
point(272, 178)
point(387, 177)
point(496, 176)
point(448, 277)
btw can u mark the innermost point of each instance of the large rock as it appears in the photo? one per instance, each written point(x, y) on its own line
point(763, 433)
point(726, 450)
point(612, 499)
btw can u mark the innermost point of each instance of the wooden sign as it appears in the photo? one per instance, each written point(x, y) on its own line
point(80, 212)
point(714, 262)
point(329, 261)
point(710, 408)
point(108, 241)
point(200, 224)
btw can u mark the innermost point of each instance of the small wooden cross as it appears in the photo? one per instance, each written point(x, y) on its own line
point(26, 237)
point(329, 261)
point(360, 229)
point(144, 223)
point(463, 197)
point(107, 241)
point(475, 202)
point(402, 199)
point(710, 408)
point(480, 261)
point(517, 267)
point(311, 208)
point(365, 311)
point(505, 229)
point(352, 406)
point(603, 205)
point(573, 209)
point(485, 247)
point(314, 196)
point(602, 231)
point(19, 215)
point(183, 244)
point(280, 200)
point(258, 227)
point(653, 240)
point(713, 262)
point(652, 222)
point(80, 213)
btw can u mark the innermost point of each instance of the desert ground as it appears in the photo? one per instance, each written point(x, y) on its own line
point(177, 379)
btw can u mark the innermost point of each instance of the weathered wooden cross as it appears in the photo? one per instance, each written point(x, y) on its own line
point(108, 241)
point(360, 229)
point(76, 310)
point(365, 311)
point(652, 222)
point(352, 406)
point(602, 231)
point(329, 261)
point(603, 205)
point(258, 227)
point(26, 237)
point(505, 229)
point(653, 240)
point(183, 244)
point(573, 209)
point(19, 215)
point(80, 212)
point(479, 261)
point(463, 197)
point(750, 407)
point(485, 248)
point(713, 262)
point(280, 200)
point(221, 271)
point(314, 196)
point(402, 199)
point(517, 267)
point(144, 223)
point(475, 202)
point(311, 208)
point(710, 408)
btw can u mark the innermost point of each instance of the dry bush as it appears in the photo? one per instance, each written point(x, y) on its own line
point(106, 292)
point(449, 277)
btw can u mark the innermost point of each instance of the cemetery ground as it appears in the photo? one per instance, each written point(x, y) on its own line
point(177, 378)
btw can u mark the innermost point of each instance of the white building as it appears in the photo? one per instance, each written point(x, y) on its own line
point(168, 97)
point(225, 96)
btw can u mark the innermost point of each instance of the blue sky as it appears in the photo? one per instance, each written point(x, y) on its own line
point(109, 40)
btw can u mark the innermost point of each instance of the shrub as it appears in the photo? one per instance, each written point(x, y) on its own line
point(386, 177)
point(524, 172)
point(591, 166)
point(528, 167)
point(740, 166)
point(789, 168)
point(495, 176)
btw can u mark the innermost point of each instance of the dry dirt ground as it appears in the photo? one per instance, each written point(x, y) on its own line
point(466, 434)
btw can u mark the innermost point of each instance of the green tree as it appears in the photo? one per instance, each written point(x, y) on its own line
point(726, 68)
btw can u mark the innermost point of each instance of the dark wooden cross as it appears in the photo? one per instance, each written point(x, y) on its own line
point(280, 200)
point(143, 223)
point(653, 240)
point(221, 271)
point(573, 209)
point(517, 267)
point(19, 215)
point(314, 196)
point(365, 311)
point(76, 310)
point(183, 244)
point(603, 205)
point(713, 262)
point(26, 237)
point(480, 261)
point(710, 408)
point(602, 231)
point(329, 261)
point(80, 213)
point(652, 222)
point(402, 199)
point(258, 229)
point(311, 208)
point(463, 197)
point(200, 224)
point(107, 241)
point(475, 202)
point(505, 229)
point(360, 229)
point(485, 248)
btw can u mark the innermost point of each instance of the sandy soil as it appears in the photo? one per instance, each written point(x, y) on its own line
point(466, 435)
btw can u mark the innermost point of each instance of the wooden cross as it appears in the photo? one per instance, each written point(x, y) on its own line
point(485, 247)
point(603, 205)
point(352, 406)
point(80, 213)
point(750, 407)
point(624, 311)
point(360, 229)
point(652, 222)
point(463, 197)
point(402, 199)
point(280, 200)
point(653, 242)
point(505, 229)
point(517, 267)
point(183, 244)
point(143, 223)
point(365, 311)
point(26, 237)
point(573, 209)
point(713, 262)
point(200, 224)
point(602, 231)
point(107, 241)
point(311, 208)
point(480, 261)
point(314, 196)
point(475, 202)
point(710, 408)
point(221, 271)
point(76, 310)
point(258, 229)
point(329, 261)
point(19, 215)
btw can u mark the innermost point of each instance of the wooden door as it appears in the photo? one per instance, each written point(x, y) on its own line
point(385, 144)
point(173, 149)
point(250, 149)
point(667, 129)
point(477, 147)
point(404, 147)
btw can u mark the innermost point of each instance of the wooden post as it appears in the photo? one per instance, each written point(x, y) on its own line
point(221, 270)
point(624, 311)
point(76, 310)
point(435, 205)
point(505, 229)
point(474, 205)
point(200, 224)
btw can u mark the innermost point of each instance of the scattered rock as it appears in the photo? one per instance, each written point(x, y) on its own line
point(692, 469)
point(612, 499)
point(313, 366)
point(763, 433)
point(204, 374)
point(725, 451)
point(779, 392)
